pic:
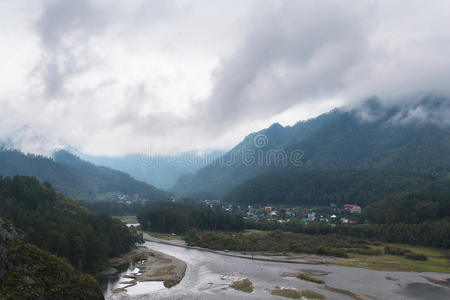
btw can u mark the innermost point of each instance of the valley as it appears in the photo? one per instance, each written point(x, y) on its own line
point(251, 149)
point(209, 276)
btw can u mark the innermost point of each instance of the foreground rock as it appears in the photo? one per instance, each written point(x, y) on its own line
point(153, 266)
point(27, 272)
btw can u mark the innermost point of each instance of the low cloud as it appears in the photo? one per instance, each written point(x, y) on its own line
point(114, 78)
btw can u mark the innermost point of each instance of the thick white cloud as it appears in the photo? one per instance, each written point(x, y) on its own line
point(113, 77)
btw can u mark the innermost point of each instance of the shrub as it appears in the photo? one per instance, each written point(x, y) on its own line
point(309, 278)
point(416, 256)
point(331, 252)
point(243, 285)
point(296, 294)
point(365, 251)
point(395, 250)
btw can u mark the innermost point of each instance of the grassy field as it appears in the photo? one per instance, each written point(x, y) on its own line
point(438, 260)
point(165, 236)
point(347, 251)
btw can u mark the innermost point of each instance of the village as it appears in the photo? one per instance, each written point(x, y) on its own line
point(127, 199)
point(333, 214)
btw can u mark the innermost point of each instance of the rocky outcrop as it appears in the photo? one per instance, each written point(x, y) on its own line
point(27, 272)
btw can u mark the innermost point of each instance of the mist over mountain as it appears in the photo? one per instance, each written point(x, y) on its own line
point(413, 137)
point(162, 171)
point(75, 177)
point(315, 129)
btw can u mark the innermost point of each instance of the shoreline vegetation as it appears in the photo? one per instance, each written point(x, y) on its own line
point(438, 258)
point(243, 285)
point(404, 232)
point(153, 266)
point(296, 294)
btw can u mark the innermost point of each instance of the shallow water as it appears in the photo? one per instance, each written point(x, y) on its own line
point(121, 280)
point(133, 224)
point(143, 288)
point(209, 275)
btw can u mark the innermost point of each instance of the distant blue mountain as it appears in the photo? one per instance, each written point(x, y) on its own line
point(162, 171)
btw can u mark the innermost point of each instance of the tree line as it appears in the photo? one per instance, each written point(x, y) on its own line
point(181, 217)
point(413, 218)
point(61, 226)
point(409, 208)
point(325, 187)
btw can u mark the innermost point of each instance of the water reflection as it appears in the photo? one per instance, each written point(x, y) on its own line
point(124, 282)
point(209, 275)
point(145, 288)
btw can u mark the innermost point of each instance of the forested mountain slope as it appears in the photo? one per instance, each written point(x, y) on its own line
point(325, 187)
point(414, 138)
point(74, 177)
point(27, 272)
point(61, 226)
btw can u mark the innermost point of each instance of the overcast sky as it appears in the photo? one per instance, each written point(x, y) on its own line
point(116, 77)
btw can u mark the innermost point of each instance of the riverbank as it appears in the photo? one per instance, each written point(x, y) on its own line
point(437, 261)
point(153, 266)
point(299, 258)
point(210, 276)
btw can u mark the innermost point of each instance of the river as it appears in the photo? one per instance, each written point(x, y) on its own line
point(209, 275)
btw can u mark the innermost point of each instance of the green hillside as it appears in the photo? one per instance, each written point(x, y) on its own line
point(325, 187)
point(371, 137)
point(61, 226)
point(74, 177)
point(27, 272)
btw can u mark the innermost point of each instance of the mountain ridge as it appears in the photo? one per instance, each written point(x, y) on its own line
point(162, 171)
point(361, 138)
point(74, 177)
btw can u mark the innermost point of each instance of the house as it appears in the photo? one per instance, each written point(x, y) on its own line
point(356, 209)
point(290, 213)
point(352, 208)
point(268, 209)
point(348, 206)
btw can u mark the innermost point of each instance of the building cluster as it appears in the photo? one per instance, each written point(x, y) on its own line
point(212, 203)
point(346, 214)
point(128, 199)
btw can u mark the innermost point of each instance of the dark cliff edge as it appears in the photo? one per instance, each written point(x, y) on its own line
point(27, 272)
